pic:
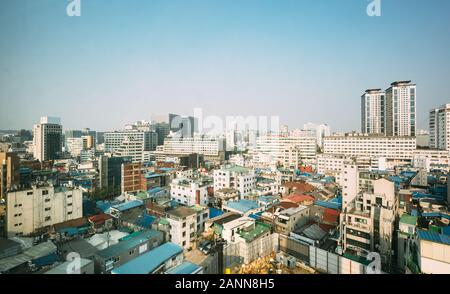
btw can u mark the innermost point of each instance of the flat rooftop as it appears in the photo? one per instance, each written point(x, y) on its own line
point(182, 212)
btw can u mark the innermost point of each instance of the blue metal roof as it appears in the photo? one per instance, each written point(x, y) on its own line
point(213, 212)
point(145, 221)
point(243, 205)
point(186, 268)
point(435, 214)
point(129, 205)
point(331, 205)
point(149, 261)
point(445, 231)
point(153, 175)
point(105, 206)
point(155, 190)
point(434, 237)
point(126, 245)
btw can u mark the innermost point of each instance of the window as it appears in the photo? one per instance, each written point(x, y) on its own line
point(47, 209)
point(45, 192)
point(30, 193)
point(47, 218)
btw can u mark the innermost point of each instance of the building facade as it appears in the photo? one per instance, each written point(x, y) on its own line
point(37, 208)
point(440, 128)
point(373, 112)
point(401, 109)
point(189, 192)
point(47, 139)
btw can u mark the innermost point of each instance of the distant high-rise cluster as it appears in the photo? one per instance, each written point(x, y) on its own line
point(391, 112)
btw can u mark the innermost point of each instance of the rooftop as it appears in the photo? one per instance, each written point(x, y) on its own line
point(128, 205)
point(30, 254)
point(259, 230)
point(186, 268)
point(122, 246)
point(150, 261)
point(237, 169)
point(182, 212)
point(62, 268)
point(408, 219)
point(242, 205)
point(224, 218)
point(434, 237)
point(292, 210)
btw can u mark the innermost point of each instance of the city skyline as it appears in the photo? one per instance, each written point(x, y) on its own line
point(118, 63)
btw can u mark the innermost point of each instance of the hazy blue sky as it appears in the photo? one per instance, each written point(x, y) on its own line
point(122, 60)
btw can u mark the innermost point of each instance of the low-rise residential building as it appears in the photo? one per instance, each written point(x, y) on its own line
point(189, 192)
point(116, 255)
point(291, 219)
point(183, 226)
point(433, 252)
point(155, 261)
point(406, 232)
point(33, 211)
point(235, 177)
point(367, 223)
point(242, 207)
point(222, 196)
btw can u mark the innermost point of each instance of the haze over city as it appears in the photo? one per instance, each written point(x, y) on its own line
point(121, 61)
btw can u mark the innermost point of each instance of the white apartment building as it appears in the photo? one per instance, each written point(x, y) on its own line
point(235, 177)
point(440, 128)
point(292, 157)
point(431, 159)
point(114, 140)
point(368, 224)
point(47, 138)
point(189, 192)
point(39, 207)
point(373, 112)
point(349, 184)
point(396, 150)
point(183, 226)
point(276, 145)
point(74, 146)
point(185, 146)
point(401, 109)
point(332, 164)
point(133, 148)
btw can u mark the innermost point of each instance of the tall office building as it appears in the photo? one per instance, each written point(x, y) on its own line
point(401, 109)
point(184, 126)
point(162, 129)
point(110, 177)
point(47, 138)
point(440, 128)
point(373, 112)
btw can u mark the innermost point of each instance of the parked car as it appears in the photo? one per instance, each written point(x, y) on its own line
point(205, 247)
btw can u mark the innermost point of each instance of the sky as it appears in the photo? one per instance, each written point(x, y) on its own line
point(303, 60)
